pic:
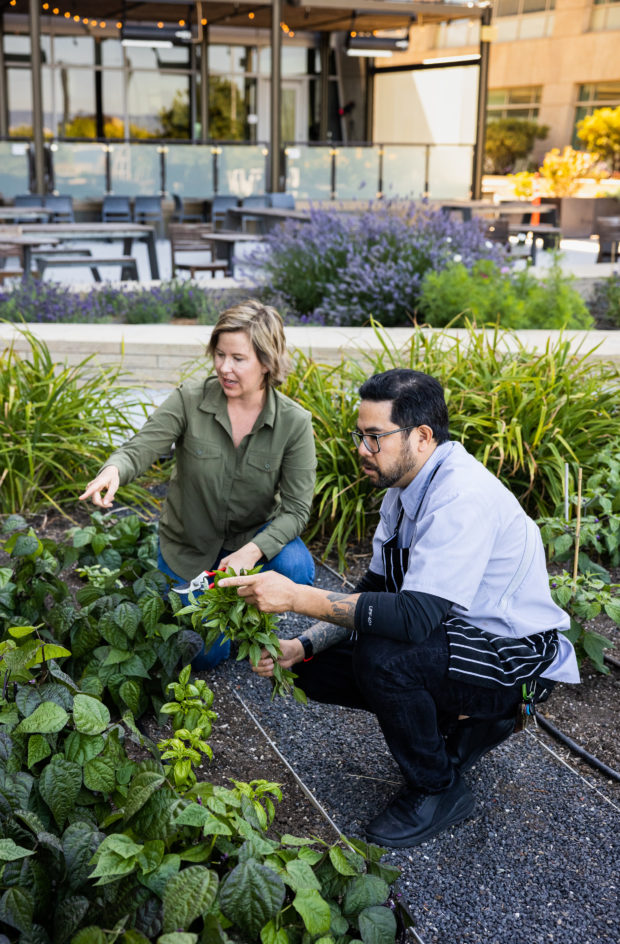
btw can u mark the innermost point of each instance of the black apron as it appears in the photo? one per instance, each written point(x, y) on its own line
point(395, 558)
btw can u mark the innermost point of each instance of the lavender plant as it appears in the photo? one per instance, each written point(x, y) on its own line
point(345, 268)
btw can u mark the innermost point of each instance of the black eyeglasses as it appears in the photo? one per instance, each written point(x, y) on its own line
point(371, 440)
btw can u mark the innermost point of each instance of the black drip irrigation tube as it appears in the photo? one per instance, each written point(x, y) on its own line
point(545, 724)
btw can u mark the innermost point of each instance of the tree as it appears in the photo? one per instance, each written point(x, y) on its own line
point(507, 140)
point(600, 132)
point(562, 171)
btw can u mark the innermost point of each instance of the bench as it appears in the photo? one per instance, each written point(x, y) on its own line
point(69, 259)
point(189, 237)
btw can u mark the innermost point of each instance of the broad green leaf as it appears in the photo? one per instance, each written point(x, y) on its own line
point(198, 853)
point(79, 842)
point(188, 895)
point(152, 855)
point(142, 787)
point(300, 875)
point(314, 910)
point(99, 775)
point(48, 651)
point(127, 616)
point(17, 908)
point(364, 892)
point(38, 749)
point(25, 545)
point(288, 840)
point(11, 852)
point(89, 715)
point(134, 937)
point(272, 935)
point(152, 608)
point(80, 748)
point(130, 692)
point(613, 611)
point(59, 786)
point(90, 935)
point(68, 916)
point(351, 864)
point(251, 895)
point(377, 926)
point(48, 718)
point(20, 632)
point(157, 880)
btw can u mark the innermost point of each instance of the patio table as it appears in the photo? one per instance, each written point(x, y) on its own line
point(223, 245)
point(87, 232)
point(267, 216)
point(10, 213)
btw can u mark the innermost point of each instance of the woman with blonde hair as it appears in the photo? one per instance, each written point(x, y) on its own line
point(242, 485)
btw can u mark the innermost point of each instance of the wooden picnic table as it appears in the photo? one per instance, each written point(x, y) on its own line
point(26, 243)
point(269, 216)
point(87, 232)
point(223, 244)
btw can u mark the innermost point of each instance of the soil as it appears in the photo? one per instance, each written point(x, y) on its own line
point(243, 751)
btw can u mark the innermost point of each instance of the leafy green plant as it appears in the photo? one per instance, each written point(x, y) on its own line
point(124, 640)
point(221, 611)
point(55, 421)
point(604, 304)
point(599, 525)
point(509, 140)
point(192, 703)
point(488, 294)
point(186, 749)
point(584, 599)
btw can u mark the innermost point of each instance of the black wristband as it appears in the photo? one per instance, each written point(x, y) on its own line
point(308, 647)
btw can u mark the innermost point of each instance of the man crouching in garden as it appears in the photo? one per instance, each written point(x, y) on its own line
point(452, 619)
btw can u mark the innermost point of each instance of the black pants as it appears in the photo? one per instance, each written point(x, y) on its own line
point(407, 687)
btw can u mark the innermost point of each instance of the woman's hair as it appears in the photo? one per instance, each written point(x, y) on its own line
point(264, 327)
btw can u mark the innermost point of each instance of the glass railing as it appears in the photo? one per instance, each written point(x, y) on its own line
point(14, 170)
point(313, 172)
point(80, 169)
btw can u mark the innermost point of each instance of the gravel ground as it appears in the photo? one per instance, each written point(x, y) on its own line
point(539, 861)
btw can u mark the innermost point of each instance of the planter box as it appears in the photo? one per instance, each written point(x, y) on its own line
point(578, 215)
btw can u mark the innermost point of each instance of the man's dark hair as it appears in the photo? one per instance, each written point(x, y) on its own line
point(417, 399)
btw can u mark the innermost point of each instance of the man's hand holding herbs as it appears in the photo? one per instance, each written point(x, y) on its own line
point(292, 653)
point(222, 610)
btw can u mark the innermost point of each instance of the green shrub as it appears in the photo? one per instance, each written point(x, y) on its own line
point(56, 422)
point(522, 414)
point(605, 303)
point(96, 847)
point(487, 294)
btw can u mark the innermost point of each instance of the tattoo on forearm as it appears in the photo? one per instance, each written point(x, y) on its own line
point(341, 610)
point(323, 635)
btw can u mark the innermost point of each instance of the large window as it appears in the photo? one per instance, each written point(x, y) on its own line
point(520, 102)
point(605, 15)
point(593, 96)
point(523, 19)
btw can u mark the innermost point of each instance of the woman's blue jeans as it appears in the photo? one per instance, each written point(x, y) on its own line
point(293, 561)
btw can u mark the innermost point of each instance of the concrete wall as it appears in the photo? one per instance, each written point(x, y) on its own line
point(159, 355)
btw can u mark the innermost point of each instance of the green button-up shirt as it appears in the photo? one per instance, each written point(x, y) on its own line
point(219, 495)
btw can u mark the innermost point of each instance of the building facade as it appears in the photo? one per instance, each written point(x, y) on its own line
point(552, 61)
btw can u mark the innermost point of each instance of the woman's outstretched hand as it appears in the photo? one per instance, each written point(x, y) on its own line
point(107, 481)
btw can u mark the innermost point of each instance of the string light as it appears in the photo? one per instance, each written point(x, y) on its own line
point(251, 15)
point(76, 18)
point(204, 21)
point(46, 6)
point(181, 22)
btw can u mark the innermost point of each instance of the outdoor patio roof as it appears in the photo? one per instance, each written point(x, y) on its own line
point(312, 15)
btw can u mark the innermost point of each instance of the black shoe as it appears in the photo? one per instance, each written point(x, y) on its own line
point(413, 817)
point(469, 742)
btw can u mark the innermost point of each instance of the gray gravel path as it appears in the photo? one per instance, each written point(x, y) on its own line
point(539, 861)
